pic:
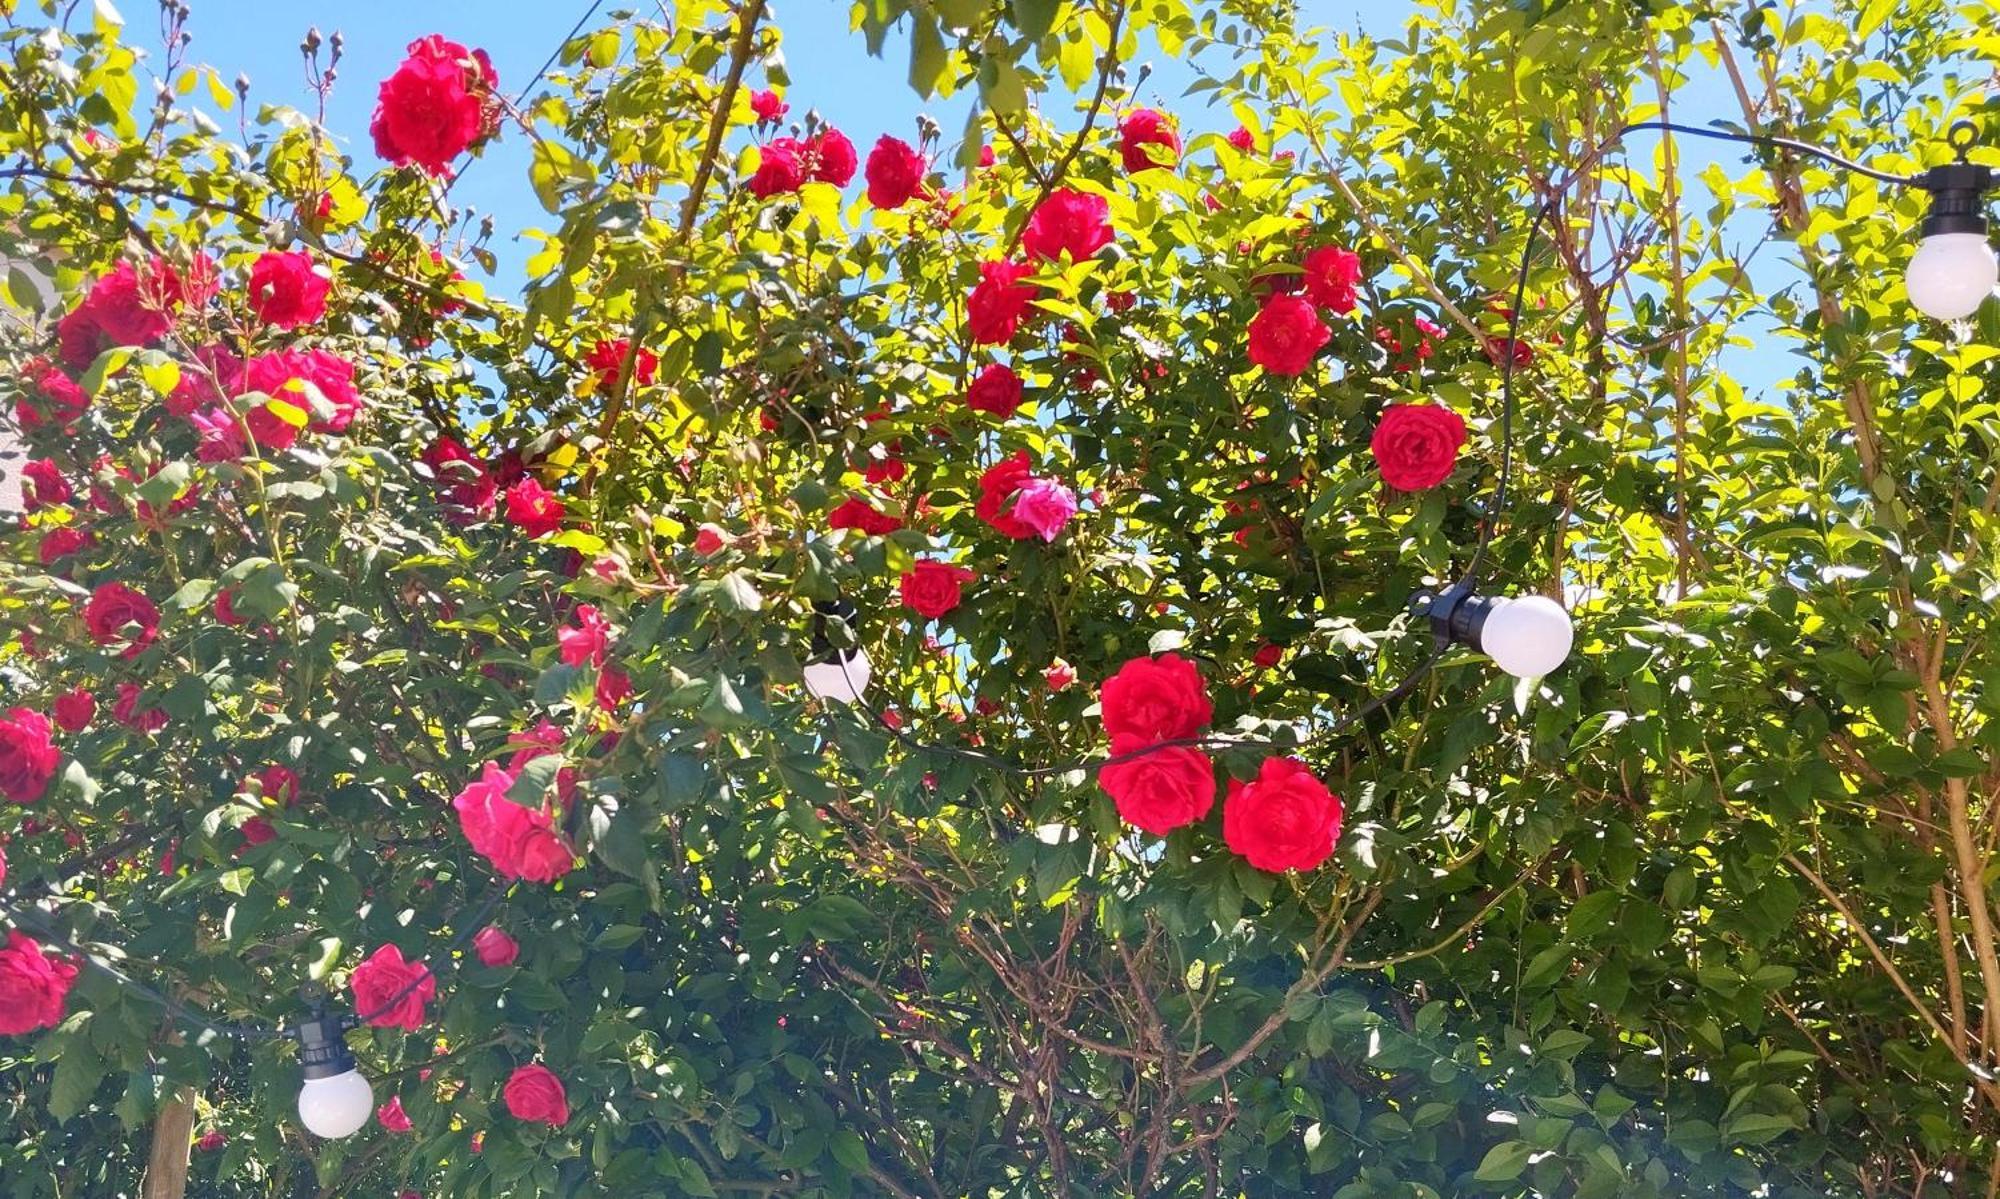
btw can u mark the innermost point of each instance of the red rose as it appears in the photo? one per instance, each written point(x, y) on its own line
point(858, 514)
point(1269, 654)
point(392, 1117)
point(1285, 335)
point(1162, 790)
point(74, 709)
point(931, 589)
point(211, 1141)
point(710, 540)
point(1146, 139)
point(1392, 340)
point(1331, 275)
point(536, 1095)
point(533, 508)
point(42, 484)
point(60, 543)
point(1072, 222)
point(614, 687)
point(495, 948)
point(33, 987)
point(993, 311)
point(833, 157)
point(112, 608)
point(886, 470)
point(779, 170)
point(1242, 139)
point(997, 390)
point(997, 486)
point(134, 305)
point(287, 290)
point(769, 107)
point(1059, 675)
point(1416, 445)
point(276, 783)
point(1284, 820)
point(464, 482)
point(435, 106)
point(257, 831)
point(1497, 351)
point(48, 396)
point(376, 984)
point(607, 359)
point(28, 757)
point(1151, 700)
point(895, 172)
point(588, 640)
point(284, 375)
point(125, 710)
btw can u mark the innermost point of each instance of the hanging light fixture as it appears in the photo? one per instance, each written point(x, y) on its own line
point(1954, 269)
point(837, 675)
point(335, 1100)
point(1527, 636)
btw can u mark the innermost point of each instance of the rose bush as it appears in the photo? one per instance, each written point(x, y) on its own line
point(369, 629)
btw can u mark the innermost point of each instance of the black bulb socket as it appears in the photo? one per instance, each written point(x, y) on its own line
point(323, 1051)
point(822, 646)
point(1457, 615)
point(1958, 198)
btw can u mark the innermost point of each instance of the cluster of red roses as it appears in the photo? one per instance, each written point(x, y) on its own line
point(441, 101)
point(1284, 819)
point(391, 992)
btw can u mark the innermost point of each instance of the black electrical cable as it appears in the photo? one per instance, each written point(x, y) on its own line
point(1470, 578)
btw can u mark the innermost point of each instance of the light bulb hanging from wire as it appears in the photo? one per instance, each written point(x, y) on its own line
point(334, 1100)
point(1954, 269)
point(835, 674)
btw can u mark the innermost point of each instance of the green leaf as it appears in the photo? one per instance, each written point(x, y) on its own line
point(850, 1151)
point(1034, 18)
point(532, 783)
point(927, 55)
point(1504, 1162)
point(742, 594)
point(78, 1071)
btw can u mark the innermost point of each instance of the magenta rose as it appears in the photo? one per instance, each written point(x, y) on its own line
point(390, 992)
point(34, 988)
point(287, 289)
point(1068, 222)
point(28, 756)
point(115, 613)
point(534, 1094)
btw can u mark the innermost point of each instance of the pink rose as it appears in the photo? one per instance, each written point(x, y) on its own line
point(588, 640)
point(769, 107)
point(495, 948)
point(435, 106)
point(390, 992)
point(28, 755)
point(533, 508)
point(833, 157)
point(1044, 506)
point(779, 171)
point(994, 309)
point(392, 1117)
point(534, 1094)
point(1068, 222)
point(287, 289)
point(1146, 139)
point(709, 540)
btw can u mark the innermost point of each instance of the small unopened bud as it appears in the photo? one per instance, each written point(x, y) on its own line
point(242, 84)
point(311, 43)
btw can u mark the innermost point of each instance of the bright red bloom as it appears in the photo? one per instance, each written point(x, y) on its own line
point(607, 359)
point(390, 992)
point(34, 988)
point(257, 831)
point(993, 311)
point(931, 589)
point(997, 486)
point(495, 948)
point(895, 172)
point(1391, 339)
point(436, 105)
point(274, 782)
point(60, 543)
point(112, 608)
point(588, 640)
point(1285, 335)
point(48, 396)
point(779, 170)
point(211, 1141)
point(1242, 139)
point(996, 390)
point(1416, 445)
point(1283, 820)
point(1268, 655)
point(533, 508)
point(284, 376)
point(710, 540)
point(1146, 139)
point(769, 107)
point(287, 289)
point(464, 481)
point(43, 485)
point(1151, 700)
point(73, 709)
point(1331, 276)
point(134, 305)
point(1072, 222)
point(392, 1117)
point(28, 756)
point(535, 1094)
point(859, 514)
point(833, 157)
point(1161, 790)
point(880, 471)
point(1059, 675)
point(614, 687)
point(125, 710)
point(986, 158)
point(1497, 351)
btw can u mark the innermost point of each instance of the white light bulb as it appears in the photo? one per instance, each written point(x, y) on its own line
point(1951, 274)
point(842, 679)
point(1527, 636)
point(336, 1107)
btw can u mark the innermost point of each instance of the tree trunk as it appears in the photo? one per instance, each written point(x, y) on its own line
point(173, 1131)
